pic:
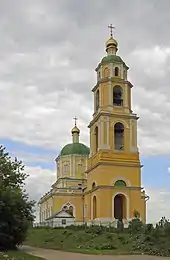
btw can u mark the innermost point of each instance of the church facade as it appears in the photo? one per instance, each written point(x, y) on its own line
point(101, 184)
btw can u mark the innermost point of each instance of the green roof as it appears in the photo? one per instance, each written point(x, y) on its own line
point(75, 148)
point(111, 58)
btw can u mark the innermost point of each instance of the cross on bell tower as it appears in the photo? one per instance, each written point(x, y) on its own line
point(111, 27)
point(75, 119)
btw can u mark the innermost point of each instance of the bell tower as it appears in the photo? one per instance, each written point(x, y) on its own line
point(114, 167)
point(112, 103)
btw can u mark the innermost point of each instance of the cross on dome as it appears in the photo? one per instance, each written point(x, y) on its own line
point(75, 118)
point(111, 27)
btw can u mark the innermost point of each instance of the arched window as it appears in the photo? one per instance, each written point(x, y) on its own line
point(97, 99)
point(65, 208)
point(96, 139)
point(106, 72)
point(120, 183)
point(70, 210)
point(116, 71)
point(93, 185)
point(94, 207)
point(119, 136)
point(117, 96)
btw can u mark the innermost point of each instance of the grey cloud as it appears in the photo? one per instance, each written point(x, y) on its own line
point(48, 53)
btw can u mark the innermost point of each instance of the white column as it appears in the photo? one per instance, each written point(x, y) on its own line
point(74, 168)
point(101, 72)
point(104, 145)
point(99, 135)
point(110, 93)
point(71, 166)
point(86, 165)
point(91, 143)
point(125, 96)
point(108, 133)
point(131, 149)
point(135, 134)
point(111, 70)
point(121, 71)
point(61, 168)
point(95, 101)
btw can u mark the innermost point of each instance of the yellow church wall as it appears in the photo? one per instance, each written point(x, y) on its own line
point(111, 157)
point(107, 174)
point(105, 202)
point(105, 131)
point(74, 182)
point(76, 166)
point(46, 208)
point(129, 97)
point(76, 201)
point(129, 132)
point(105, 95)
point(106, 99)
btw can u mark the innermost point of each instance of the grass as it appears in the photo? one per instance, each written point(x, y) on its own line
point(91, 241)
point(18, 255)
point(137, 239)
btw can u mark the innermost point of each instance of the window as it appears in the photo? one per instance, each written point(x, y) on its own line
point(63, 221)
point(96, 136)
point(106, 72)
point(93, 185)
point(117, 96)
point(66, 168)
point(69, 209)
point(99, 75)
point(116, 71)
point(120, 183)
point(64, 208)
point(85, 210)
point(58, 169)
point(97, 99)
point(119, 136)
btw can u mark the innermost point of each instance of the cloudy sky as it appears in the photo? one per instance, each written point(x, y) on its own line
point(48, 53)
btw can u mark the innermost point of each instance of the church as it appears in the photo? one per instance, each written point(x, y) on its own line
point(100, 184)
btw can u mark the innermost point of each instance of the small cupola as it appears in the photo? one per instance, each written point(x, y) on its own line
point(75, 132)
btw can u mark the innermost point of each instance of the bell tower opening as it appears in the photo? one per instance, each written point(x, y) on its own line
point(96, 139)
point(119, 136)
point(116, 71)
point(117, 95)
point(97, 99)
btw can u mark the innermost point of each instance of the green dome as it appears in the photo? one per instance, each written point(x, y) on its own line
point(111, 58)
point(75, 148)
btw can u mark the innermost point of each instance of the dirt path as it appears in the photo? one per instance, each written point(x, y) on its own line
point(49, 254)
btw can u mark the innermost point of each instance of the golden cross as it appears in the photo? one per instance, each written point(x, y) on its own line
point(111, 27)
point(75, 118)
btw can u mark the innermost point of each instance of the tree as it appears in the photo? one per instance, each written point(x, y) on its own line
point(16, 210)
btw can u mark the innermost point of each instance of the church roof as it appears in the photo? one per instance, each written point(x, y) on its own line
point(75, 148)
point(111, 58)
point(61, 214)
